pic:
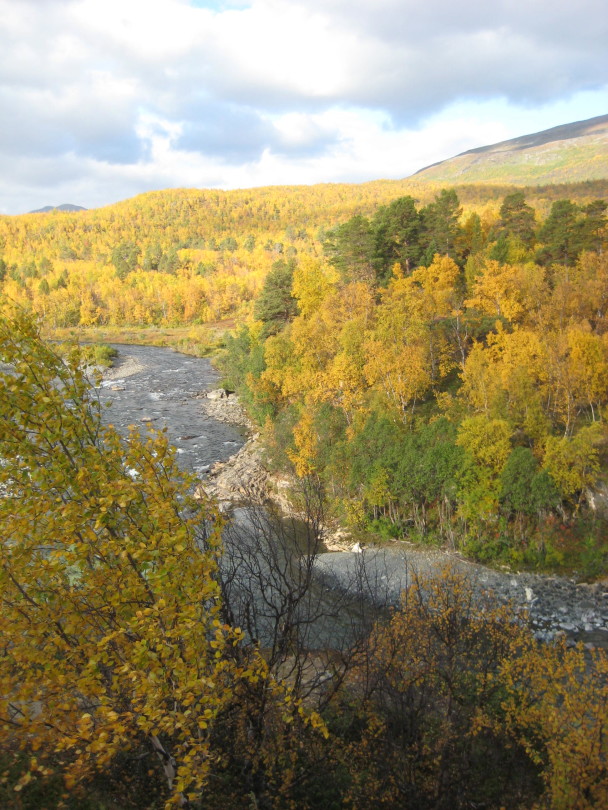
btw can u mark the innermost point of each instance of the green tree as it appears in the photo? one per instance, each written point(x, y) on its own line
point(153, 256)
point(559, 234)
point(229, 243)
point(525, 488)
point(276, 306)
point(125, 257)
point(43, 287)
point(517, 218)
point(473, 239)
point(593, 233)
point(397, 228)
point(350, 249)
point(441, 229)
point(169, 261)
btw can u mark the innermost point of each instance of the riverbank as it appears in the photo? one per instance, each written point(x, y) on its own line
point(554, 604)
point(199, 340)
point(245, 477)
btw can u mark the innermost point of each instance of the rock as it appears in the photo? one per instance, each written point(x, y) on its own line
point(118, 388)
point(336, 538)
point(219, 393)
point(226, 409)
point(598, 499)
point(148, 419)
point(241, 477)
point(552, 605)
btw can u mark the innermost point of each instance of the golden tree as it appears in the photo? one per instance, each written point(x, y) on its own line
point(111, 637)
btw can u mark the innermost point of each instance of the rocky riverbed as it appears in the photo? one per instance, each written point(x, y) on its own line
point(160, 388)
point(554, 604)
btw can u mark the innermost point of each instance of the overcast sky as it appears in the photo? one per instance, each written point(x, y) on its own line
point(104, 99)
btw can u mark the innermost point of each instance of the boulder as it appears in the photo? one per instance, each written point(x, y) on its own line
point(219, 393)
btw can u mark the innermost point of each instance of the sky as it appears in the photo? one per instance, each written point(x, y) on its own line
point(105, 99)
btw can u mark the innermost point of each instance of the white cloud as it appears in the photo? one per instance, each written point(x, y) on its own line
point(173, 92)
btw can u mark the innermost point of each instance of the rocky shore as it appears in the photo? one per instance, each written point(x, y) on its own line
point(554, 604)
point(245, 477)
point(224, 406)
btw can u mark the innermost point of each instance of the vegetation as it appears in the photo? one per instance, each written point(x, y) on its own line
point(427, 363)
point(452, 396)
point(112, 635)
point(125, 682)
point(100, 354)
point(188, 257)
point(352, 305)
point(563, 161)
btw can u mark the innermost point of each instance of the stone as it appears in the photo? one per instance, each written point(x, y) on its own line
point(219, 393)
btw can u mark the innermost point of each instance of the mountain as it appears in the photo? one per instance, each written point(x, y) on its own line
point(62, 207)
point(569, 153)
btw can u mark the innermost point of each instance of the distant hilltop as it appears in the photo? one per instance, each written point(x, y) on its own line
point(568, 153)
point(62, 207)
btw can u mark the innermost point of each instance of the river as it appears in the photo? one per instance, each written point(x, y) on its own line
point(160, 388)
point(152, 387)
point(270, 593)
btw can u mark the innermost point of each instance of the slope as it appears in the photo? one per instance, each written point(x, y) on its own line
point(568, 153)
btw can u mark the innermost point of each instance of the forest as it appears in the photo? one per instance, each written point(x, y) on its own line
point(445, 380)
point(428, 364)
point(126, 681)
point(456, 338)
point(185, 257)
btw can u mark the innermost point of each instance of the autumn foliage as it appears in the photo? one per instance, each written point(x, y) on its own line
point(471, 380)
point(116, 649)
point(112, 637)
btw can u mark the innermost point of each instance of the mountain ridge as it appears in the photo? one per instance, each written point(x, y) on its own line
point(63, 207)
point(565, 153)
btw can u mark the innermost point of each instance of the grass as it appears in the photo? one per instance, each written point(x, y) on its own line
point(200, 340)
point(551, 163)
point(100, 354)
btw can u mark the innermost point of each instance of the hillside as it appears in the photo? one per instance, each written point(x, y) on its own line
point(186, 256)
point(568, 153)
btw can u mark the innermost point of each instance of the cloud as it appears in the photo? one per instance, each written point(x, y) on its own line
point(275, 90)
point(403, 56)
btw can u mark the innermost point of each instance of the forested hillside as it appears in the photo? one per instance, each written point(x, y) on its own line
point(188, 256)
point(438, 358)
point(445, 375)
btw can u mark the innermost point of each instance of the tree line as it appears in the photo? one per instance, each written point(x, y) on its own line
point(186, 256)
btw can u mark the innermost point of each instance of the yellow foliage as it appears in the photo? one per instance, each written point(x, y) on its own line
point(109, 604)
point(506, 290)
point(573, 463)
point(556, 707)
point(305, 440)
point(313, 280)
point(487, 440)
